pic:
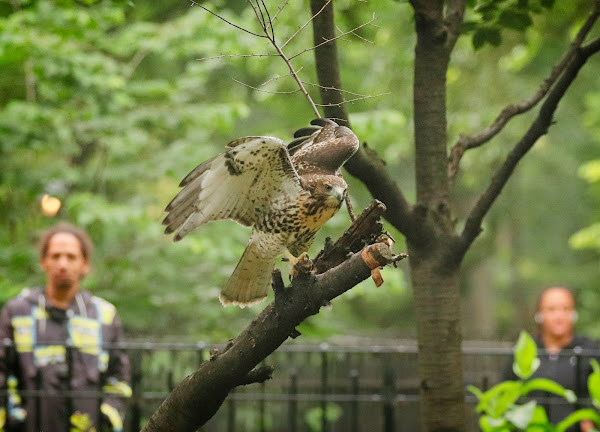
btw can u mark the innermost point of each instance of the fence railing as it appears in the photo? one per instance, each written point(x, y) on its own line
point(324, 388)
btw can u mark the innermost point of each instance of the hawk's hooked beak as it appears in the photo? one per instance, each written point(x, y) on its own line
point(339, 193)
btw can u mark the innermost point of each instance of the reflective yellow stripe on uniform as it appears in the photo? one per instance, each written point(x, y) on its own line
point(118, 388)
point(85, 334)
point(107, 311)
point(51, 354)
point(113, 416)
point(23, 332)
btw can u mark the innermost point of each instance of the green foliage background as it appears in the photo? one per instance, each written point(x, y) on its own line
point(107, 105)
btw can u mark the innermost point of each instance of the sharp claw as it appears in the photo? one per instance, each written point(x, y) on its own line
point(296, 260)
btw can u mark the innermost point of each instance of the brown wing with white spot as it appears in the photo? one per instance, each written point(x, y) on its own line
point(241, 184)
point(323, 148)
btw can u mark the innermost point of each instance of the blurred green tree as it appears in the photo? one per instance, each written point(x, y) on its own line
point(105, 105)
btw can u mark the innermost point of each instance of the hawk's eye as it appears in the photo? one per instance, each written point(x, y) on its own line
point(328, 187)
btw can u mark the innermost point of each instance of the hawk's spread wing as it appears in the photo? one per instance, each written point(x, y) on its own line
point(241, 184)
point(323, 148)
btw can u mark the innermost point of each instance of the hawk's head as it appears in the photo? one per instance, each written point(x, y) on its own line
point(329, 190)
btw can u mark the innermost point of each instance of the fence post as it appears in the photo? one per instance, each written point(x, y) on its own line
point(231, 412)
point(136, 389)
point(578, 389)
point(324, 387)
point(388, 394)
point(69, 352)
point(293, 403)
point(11, 361)
point(38, 399)
point(354, 374)
point(262, 405)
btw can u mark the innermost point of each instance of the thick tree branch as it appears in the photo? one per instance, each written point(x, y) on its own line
point(365, 164)
point(538, 128)
point(467, 142)
point(198, 397)
point(455, 12)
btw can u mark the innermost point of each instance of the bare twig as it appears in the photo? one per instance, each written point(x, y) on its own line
point(276, 77)
point(135, 61)
point(356, 35)
point(328, 88)
point(235, 55)
point(349, 208)
point(305, 24)
point(265, 91)
point(227, 21)
point(264, 18)
point(282, 7)
point(351, 100)
point(326, 41)
point(30, 89)
point(466, 142)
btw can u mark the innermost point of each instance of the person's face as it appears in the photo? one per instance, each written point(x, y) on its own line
point(557, 309)
point(64, 263)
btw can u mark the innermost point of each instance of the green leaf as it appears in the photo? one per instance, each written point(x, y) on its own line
point(313, 417)
point(576, 417)
point(521, 415)
point(548, 4)
point(496, 401)
point(483, 35)
point(539, 422)
point(515, 19)
point(594, 383)
point(586, 238)
point(550, 386)
point(488, 12)
point(590, 171)
point(526, 361)
point(491, 424)
point(469, 26)
point(478, 393)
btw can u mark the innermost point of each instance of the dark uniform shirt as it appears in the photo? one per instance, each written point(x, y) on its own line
point(40, 360)
point(568, 369)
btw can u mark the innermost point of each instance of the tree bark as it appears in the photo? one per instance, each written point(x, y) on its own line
point(433, 269)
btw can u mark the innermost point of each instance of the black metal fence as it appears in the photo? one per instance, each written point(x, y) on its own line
point(322, 388)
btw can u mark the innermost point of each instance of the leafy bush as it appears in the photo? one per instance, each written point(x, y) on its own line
point(500, 407)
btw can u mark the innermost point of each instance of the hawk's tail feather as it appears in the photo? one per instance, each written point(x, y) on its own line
point(250, 280)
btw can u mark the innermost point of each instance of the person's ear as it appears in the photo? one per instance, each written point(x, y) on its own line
point(43, 266)
point(538, 317)
point(86, 267)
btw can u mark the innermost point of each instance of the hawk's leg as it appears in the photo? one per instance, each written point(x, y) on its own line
point(300, 264)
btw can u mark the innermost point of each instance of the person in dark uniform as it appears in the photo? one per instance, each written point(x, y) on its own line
point(55, 367)
point(558, 346)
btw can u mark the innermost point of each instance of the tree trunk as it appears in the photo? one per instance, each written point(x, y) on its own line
point(439, 336)
point(433, 269)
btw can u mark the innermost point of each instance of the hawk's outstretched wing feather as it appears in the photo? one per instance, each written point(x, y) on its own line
point(323, 148)
point(240, 184)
